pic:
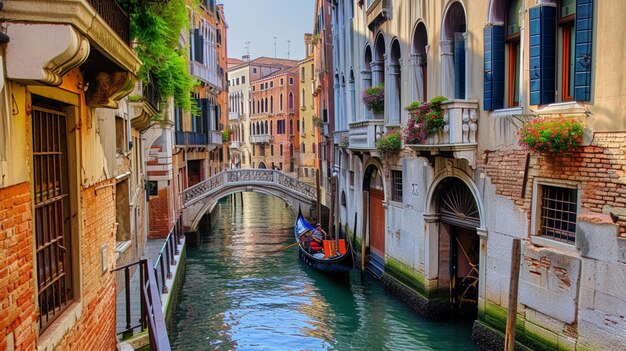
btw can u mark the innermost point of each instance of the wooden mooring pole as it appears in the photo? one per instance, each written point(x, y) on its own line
point(509, 336)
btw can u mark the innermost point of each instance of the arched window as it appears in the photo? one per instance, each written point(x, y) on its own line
point(290, 127)
point(265, 110)
point(419, 70)
point(395, 110)
point(453, 44)
point(302, 102)
point(272, 104)
point(280, 103)
point(290, 102)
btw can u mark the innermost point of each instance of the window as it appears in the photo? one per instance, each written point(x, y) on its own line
point(560, 49)
point(567, 43)
point(280, 126)
point(54, 247)
point(513, 52)
point(396, 179)
point(237, 81)
point(302, 102)
point(302, 148)
point(271, 150)
point(271, 84)
point(254, 88)
point(558, 212)
point(254, 70)
point(290, 80)
point(281, 82)
point(290, 102)
point(280, 103)
point(302, 74)
point(281, 153)
point(261, 86)
point(243, 80)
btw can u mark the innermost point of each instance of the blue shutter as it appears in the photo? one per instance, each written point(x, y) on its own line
point(459, 66)
point(542, 54)
point(584, 39)
point(494, 68)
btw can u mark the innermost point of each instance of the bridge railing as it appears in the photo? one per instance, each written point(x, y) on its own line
point(246, 177)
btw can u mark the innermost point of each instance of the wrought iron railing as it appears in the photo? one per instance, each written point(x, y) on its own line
point(152, 94)
point(115, 16)
point(166, 258)
point(151, 313)
point(191, 138)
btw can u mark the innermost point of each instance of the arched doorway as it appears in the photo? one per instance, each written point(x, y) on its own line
point(459, 243)
point(373, 203)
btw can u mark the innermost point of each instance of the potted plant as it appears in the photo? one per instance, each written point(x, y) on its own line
point(374, 99)
point(226, 132)
point(390, 142)
point(344, 141)
point(426, 120)
point(551, 135)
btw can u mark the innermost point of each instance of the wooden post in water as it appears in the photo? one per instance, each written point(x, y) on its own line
point(509, 336)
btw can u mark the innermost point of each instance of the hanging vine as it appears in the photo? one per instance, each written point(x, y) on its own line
point(155, 28)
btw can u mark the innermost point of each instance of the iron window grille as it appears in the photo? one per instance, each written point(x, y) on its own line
point(558, 213)
point(396, 178)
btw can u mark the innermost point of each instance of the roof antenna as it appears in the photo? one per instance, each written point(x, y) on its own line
point(248, 48)
point(288, 46)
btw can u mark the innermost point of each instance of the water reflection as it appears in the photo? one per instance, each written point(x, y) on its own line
point(239, 296)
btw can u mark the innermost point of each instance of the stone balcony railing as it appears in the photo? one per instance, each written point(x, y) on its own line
point(363, 134)
point(261, 138)
point(458, 134)
point(215, 137)
point(234, 144)
point(204, 73)
point(233, 116)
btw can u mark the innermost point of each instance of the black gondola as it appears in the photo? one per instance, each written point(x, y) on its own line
point(333, 260)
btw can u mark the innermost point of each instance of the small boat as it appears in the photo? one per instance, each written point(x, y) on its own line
point(337, 256)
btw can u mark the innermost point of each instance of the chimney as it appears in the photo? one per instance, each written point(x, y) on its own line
point(245, 58)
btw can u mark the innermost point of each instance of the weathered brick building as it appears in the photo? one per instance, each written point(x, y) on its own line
point(440, 215)
point(61, 77)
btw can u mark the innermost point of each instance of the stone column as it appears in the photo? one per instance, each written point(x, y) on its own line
point(392, 102)
point(482, 271)
point(447, 69)
point(431, 245)
point(414, 78)
point(366, 82)
point(467, 66)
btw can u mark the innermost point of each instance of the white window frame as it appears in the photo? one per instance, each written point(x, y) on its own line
point(535, 222)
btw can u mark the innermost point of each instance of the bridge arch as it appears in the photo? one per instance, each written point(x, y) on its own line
point(203, 197)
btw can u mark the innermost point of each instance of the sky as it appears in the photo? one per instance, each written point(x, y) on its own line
point(259, 21)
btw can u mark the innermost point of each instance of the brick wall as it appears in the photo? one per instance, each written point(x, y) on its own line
point(161, 214)
point(17, 289)
point(600, 168)
point(96, 329)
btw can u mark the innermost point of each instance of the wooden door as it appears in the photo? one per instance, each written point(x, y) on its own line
point(377, 222)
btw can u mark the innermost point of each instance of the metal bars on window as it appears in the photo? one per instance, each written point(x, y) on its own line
point(396, 178)
point(52, 228)
point(558, 213)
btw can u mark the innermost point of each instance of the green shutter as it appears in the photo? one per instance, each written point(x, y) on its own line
point(542, 56)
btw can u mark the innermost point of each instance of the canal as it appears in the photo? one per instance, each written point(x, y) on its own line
point(236, 295)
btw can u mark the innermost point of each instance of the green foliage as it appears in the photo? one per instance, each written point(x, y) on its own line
point(552, 135)
point(155, 28)
point(389, 142)
point(426, 120)
point(374, 98)
point(226, 133)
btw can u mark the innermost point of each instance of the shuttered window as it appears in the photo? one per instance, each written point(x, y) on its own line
point(584, 36)
point(459, 66)
point(542, 56)
point(494, 67)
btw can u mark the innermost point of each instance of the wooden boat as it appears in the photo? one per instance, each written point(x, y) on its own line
point(337, 256)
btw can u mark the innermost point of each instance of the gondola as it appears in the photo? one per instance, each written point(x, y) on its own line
point(337, 257)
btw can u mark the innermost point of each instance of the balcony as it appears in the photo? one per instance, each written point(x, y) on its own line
point(202, 72)
point(62, 35)
point(145, 103)
point(261, 138)
point(194, 139)
point(458, 135)
point(363, 135)
point(233, 116)
point(234, 145)
point(378, 11)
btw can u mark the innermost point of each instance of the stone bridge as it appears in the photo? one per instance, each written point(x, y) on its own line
point(203, 197)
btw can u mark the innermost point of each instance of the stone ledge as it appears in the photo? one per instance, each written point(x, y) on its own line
point(490, 339)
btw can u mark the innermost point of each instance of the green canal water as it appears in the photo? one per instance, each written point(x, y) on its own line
point(238, 296)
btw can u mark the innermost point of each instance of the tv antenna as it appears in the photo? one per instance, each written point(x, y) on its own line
point(288, 46)
point(248, 48)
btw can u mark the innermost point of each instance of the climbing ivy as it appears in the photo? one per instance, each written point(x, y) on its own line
point(155, 28)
